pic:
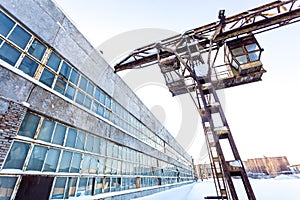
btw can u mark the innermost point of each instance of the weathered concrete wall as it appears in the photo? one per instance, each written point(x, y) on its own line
point(47, 21)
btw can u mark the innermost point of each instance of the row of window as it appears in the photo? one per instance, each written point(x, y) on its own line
point(21, 49)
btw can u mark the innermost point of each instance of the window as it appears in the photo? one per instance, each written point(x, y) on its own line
point(94, 165)
point(60, 86)
point(51, 160)
point(65, 70)
point(16, 156)
point(106, 185)
point(6, 24)
point(87, 102)
point(99, 185)
point(97, 94)
point(89, 143)
point(20, 37)
point(47, 77)
point(59, 134)
point(37, 158)
point(81, 187)
point(46, 130)
point(53, 61)
point(83, 83)
point(29, 125)
point(71, 139)
point(75, 166)
point(96, 146)
point(80, 98)
point(59, 188)
point(37, 50)
point(74, 77)
point(7, 184)
point(80, 140)
point(9, 54)
point(28, 66)
point(70, 190)
point(70, 92)
point(86, 164)
point(101, 165)
point(89, 187)
point(65, 161)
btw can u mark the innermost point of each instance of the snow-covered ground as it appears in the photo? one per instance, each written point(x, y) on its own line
point(279, 188)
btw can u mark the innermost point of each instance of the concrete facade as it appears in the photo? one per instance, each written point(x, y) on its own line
point(28, 103)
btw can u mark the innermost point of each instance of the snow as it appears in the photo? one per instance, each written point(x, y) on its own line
point(281, 187)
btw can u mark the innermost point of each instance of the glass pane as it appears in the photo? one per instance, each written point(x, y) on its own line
point(20, 37)
point(87, 102)
point(95, 107)
point(51, 160)
point(59, 188)
point(46, 131)
point(16, 156)
point(83, 83)
point(89, 188)
point(71, 139)
point(53, 61)
point(97, 94)
point(47, 77)
point(60, 86)
point(37, 158)
point(103, 147)
point(86, 164)
point(37, 49)
point(74, 77)
point(102, 98)
point(65, 162)
point(107, 114)
point(71, 188)
point(242, 59)
point(76, 163)
point(59, 134)
point(237, 51)
point(99, 185)
point(89, 143)
point(7, 185)
point(80, 140)
point(100, 110)
point(90, 89)
point(65, 70)
point(9, 54)
point(29, 125)
point(101, 165)
point(70, 92)
point(106, 185)
point(253, 56)
point(93, 165)
point(28, 66)
point(235, 65)
point(80, 97)
point(81, 187)
point(251, 47)
point(6, 24)
point(107, 102)
point(96, 146)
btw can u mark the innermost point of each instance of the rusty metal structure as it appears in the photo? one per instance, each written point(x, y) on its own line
point(189, 63)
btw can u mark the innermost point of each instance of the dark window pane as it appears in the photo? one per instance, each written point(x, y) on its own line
point(60, 86)
point(46, 131)
point(59, 134)
point(29, 125)
point(16, 156)
point(97, 94)
point(71, 139)
point(81, 187)
point(37, 158)
point(28, 66)
point(9, 54)
point(89, 187)
point(20, 37)
point(86, 164)
point(37, 50)
point(51, 160)
point(47, 77)
point(99, 184)
point(89, 143)
point(65, 162)
point(65, 70)
point(59, 188)
point(53, 61)
point(90, 89)
point(6, 24)
point(80, 98)
point(71, 187)
point(7, 184)
point(83, 83)
point(87, 102)
point(80, 140)
point(74, 77)
point(70, 92)
point(76, 163)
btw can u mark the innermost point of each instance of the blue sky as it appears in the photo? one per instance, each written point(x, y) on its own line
point(263, 116)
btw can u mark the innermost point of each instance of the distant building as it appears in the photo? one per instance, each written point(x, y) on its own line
point(69, 126)
point(268, 165)
point(203, 171)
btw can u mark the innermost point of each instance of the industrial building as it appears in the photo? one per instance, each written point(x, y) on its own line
point(69, 126)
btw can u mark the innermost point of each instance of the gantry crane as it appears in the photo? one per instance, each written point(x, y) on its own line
point(188, 63)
